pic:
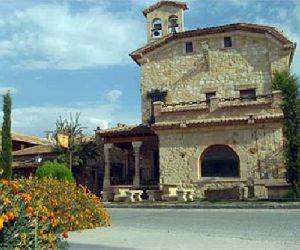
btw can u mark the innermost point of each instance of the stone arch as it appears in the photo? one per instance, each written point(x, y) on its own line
point(173, 24)
point(156, 28)
point(219, 160)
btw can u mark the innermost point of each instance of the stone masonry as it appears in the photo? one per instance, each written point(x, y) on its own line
point(187, 77)
point(193, 87)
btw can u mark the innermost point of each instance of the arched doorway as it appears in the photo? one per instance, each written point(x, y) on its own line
point(220, 161)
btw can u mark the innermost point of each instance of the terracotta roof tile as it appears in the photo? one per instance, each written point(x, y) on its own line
point(40, 149)
point(215, 121)
point(29, 139)
point(153, 7)
point(125, 130)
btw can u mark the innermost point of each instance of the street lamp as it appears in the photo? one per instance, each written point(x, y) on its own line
point(38, 159)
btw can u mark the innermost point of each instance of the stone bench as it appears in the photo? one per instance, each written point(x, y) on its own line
point(154, 195)
point(134, 195)
point(107, 196)
point(185, 195)
point(169, 193)
point(120, 192)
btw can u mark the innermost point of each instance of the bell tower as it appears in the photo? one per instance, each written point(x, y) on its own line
point(163, 18)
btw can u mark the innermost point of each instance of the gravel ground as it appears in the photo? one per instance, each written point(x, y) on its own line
point(164, 229)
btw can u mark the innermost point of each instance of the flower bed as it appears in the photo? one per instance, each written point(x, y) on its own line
point(39, 213)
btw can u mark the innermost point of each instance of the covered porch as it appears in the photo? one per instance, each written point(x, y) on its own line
point(131, 159)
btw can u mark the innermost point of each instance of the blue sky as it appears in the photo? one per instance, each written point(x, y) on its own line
point(62, 56)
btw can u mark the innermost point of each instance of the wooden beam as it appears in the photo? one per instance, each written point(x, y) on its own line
point(130, 139)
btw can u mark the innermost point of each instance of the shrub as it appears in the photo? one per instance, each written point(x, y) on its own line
point(38, 213)
point(55, 170)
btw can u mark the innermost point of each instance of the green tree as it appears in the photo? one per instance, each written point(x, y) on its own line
point(73, 129)
point(6, 154)
point(287, 83)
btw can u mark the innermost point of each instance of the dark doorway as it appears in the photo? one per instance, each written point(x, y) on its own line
point(116, 174)
point(219, 161)
point(155, 96)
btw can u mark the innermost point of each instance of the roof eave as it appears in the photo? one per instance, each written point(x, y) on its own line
point(138, 54)
point(153, 7)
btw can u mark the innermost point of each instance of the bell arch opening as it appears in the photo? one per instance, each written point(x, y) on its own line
point(220, 161)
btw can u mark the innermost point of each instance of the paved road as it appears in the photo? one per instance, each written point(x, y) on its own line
point(194, 229)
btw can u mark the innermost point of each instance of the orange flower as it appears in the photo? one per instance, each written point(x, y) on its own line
point(26, 197)
point(51, 215)
point(10, 216)
point(29, 210)
point(65, 235)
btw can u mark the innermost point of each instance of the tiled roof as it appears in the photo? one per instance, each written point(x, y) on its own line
point(215, 121)
point(40, 149)
point(125, 130)
point(254, 28)
point(29, 139)
point(166, 3)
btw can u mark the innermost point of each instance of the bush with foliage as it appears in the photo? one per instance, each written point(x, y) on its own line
point(55, 170)
point(287, 84)
point(38, 213)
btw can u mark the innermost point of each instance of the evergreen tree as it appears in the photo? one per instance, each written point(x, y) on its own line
point(6, 154)
point(287, 83)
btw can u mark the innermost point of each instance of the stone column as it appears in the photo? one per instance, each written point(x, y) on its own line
point(214, 103)
point(136, 147)
point(106, 182)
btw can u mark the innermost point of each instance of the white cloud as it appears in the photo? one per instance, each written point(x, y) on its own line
point(37, 119)
point(11, 90)
point(53, 36)
point(114, 95)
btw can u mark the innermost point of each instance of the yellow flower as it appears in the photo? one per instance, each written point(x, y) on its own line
point(1, 223)
point(4, 217)
point(6, 201)
point(23, 238)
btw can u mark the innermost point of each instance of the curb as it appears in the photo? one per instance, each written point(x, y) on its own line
point(270, 205)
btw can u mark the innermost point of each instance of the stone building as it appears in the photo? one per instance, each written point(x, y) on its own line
point(210, 120)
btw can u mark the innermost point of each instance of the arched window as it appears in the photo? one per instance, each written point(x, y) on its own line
point(173, 24)
point(156, 28)
point(220, 161)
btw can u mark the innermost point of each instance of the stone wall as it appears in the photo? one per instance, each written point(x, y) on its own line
point(187, 77)
point(259, 147)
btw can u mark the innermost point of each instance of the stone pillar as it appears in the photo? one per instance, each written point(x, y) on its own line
point(136, 147)
point(157, 107)
point(106, 181)
point(213, 103)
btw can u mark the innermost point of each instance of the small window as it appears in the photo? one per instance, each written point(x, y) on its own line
point(209, 95)
point(247, 94)
point(227, 42)
point(189, 47)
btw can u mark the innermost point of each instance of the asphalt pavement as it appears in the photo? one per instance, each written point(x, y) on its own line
point(210, 229)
